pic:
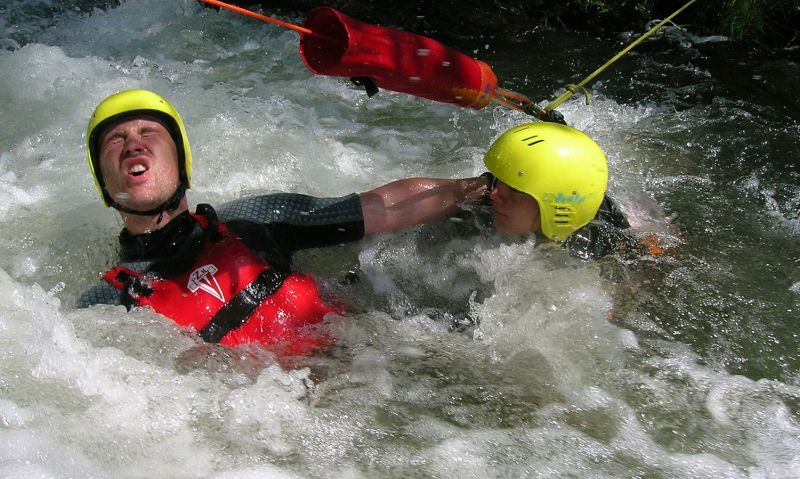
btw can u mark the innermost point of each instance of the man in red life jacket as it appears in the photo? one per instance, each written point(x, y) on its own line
point(227, 274)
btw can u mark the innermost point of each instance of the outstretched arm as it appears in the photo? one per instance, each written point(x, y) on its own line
point(412, 201)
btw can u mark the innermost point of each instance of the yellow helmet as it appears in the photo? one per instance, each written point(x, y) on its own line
point(562, 168)
point(127, 105)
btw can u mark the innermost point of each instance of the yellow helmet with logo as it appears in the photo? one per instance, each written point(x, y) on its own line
point(561, 167)
point(127, 105)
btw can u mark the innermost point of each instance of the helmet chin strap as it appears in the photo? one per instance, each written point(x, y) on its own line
point(173, 202)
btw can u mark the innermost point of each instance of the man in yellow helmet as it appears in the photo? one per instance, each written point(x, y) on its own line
point(227, 274)
point(550, 179)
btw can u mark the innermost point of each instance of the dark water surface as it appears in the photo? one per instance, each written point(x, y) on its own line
point(462, 355)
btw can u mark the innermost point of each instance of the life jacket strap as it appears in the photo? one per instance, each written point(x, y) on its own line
point(130, 284)
point(240, 307)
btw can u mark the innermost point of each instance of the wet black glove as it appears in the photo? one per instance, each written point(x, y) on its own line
point(554, 116)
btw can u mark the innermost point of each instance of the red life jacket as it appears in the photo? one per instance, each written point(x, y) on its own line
point(230, 295)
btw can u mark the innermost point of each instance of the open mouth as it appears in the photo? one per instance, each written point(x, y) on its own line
point(137, 170)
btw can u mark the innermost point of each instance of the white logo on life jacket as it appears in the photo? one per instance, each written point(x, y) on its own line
point(203, 278)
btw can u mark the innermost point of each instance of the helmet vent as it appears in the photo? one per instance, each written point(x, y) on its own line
point(562, 215)
point(531, 143)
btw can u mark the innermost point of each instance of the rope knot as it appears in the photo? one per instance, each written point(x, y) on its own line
point(573, 88)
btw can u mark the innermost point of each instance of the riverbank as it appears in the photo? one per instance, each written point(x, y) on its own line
point(770, 23)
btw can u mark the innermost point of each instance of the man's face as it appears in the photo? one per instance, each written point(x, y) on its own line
point(139, 163)
point(515, 213)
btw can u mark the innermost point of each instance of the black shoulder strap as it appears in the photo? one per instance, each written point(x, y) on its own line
point(212, 231)
point(241, 306)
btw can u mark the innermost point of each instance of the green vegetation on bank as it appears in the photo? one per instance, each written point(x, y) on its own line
point(774, 23)
point(771, 22)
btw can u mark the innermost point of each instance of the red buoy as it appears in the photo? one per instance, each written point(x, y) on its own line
point(395, 60)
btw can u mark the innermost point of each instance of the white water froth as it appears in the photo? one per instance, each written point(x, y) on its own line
point(544, 384)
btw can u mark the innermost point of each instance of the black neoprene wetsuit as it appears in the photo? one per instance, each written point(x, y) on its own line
point(275, 226)
point(601, 236)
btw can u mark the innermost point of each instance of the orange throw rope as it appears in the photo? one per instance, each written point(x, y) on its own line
point(264, 18)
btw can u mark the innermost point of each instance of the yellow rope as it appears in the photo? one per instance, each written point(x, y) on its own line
point(572, 89)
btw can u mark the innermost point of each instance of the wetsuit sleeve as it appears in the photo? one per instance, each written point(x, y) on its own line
point(601, 235)
point(611, 213)
point(101, 293)
point(299, 221)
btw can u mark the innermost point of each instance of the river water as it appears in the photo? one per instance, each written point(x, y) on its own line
point(461, 356)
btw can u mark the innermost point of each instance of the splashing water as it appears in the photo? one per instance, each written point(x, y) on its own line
point(462, 356)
